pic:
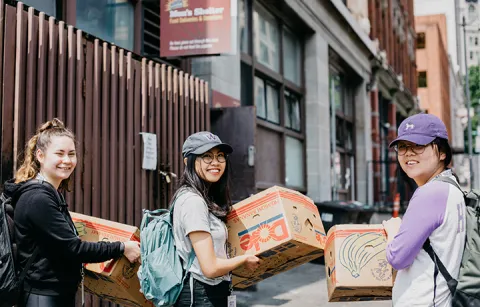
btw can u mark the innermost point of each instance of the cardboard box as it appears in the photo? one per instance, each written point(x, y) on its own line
point(113, 280)
point(280, 226)
point(356, 264)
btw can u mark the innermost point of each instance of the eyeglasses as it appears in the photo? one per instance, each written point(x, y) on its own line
point(208, 157)
point(402, 149)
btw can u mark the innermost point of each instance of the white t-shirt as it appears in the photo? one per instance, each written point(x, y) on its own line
point(191, 214)
point(436, 211)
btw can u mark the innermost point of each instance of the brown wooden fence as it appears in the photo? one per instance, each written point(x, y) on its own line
point(107, 96)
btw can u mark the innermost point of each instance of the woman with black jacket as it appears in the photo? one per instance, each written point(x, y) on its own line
point(43, 226)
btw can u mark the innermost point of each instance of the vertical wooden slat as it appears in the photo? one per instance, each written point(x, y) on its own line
point(88, 151)
point(52, 68)
point(202, 107)
point(2, 36)
point(164, 130)
point(41, 95)
point(69, 108)
point(130, 166)
point(113, 148)
point(188, 131)
point(8, 93)
point(79, 107)
point(121, 138)
point(104, 134)
point(138, 143)
point(207, 107)
point(151, 128)
point(61, 71)
point(30, 86)
point(71, 72)
point(181, 108)
point(170, 126)
point(175, 126)
point(158, 130)
point(144, 99)
point(192, 105)
point(19, 109)
point(197, 105)
point(96, 158)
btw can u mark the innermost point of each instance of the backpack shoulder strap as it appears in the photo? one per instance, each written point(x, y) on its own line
point(452, 182)
point(451, 282)
point(22, 275)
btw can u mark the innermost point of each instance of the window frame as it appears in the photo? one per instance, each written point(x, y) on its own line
point(344, 120)
point(257, 69)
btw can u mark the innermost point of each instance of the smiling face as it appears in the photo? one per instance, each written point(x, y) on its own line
point(58, 160)
point(421, 167)
point(211, 172)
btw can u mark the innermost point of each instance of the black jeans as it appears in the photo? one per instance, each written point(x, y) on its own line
point(204, 295)
point(36, 300)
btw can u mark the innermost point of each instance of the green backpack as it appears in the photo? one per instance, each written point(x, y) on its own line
point(466, 289)
point(161, 273)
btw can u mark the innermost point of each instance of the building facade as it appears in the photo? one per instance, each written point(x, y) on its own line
point(393, 93)
point(295, 99)
point(433, 67)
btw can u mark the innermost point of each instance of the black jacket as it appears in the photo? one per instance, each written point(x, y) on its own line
point(42, 219)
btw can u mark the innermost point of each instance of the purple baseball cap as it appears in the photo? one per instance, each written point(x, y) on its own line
point(421, 129)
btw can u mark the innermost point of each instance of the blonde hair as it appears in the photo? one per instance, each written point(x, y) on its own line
point(31, 166)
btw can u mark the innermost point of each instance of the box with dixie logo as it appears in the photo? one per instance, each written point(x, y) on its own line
point(113, 280)
point(356, 264)
point(280, 226)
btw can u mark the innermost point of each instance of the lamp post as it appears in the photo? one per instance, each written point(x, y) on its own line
point(467, 92)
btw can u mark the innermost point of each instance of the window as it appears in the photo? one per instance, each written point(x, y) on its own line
point(266, 97)
point(421, 40)
point(244, 27)
point(295, 174)
point(49, 7)
point(266, 39)
point(476, 41)
point(472, 12)
point(471, 40)
point(344, 145)
point(471, 55)
point(273, 84)
point(292, 111)
point(110, 20)
point(291, 57)
point(422, 79)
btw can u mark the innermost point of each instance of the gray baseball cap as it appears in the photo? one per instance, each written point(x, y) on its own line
point(201, 142)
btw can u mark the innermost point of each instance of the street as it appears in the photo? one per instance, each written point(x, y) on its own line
point(302, 286)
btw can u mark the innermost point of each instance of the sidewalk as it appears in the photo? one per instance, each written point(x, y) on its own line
point(304, 286)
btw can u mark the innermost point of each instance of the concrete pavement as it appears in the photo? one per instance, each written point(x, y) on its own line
point(303, 286)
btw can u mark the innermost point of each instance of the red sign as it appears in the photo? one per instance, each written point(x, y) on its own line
point(196, 27)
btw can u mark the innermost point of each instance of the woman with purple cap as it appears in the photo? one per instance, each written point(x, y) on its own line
point(201, 205)
point(435, 214)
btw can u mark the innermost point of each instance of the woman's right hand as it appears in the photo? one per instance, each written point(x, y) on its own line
point(132, 250)
point(251, 262)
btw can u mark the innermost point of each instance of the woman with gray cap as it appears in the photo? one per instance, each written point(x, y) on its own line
point(201, 205)
point(434, 220)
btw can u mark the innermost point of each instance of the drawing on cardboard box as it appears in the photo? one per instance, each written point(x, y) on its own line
point(272, 229)
point(357, 250)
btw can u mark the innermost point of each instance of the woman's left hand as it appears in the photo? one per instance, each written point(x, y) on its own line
point(392, 226)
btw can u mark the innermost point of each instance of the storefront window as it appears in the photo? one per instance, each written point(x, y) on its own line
point(49, 7)
point(266, 39)
point(294, 162)
point(109, 20)
point(291, 57)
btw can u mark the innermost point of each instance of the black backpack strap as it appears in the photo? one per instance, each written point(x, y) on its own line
point(22, 275)
point(451, 282)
